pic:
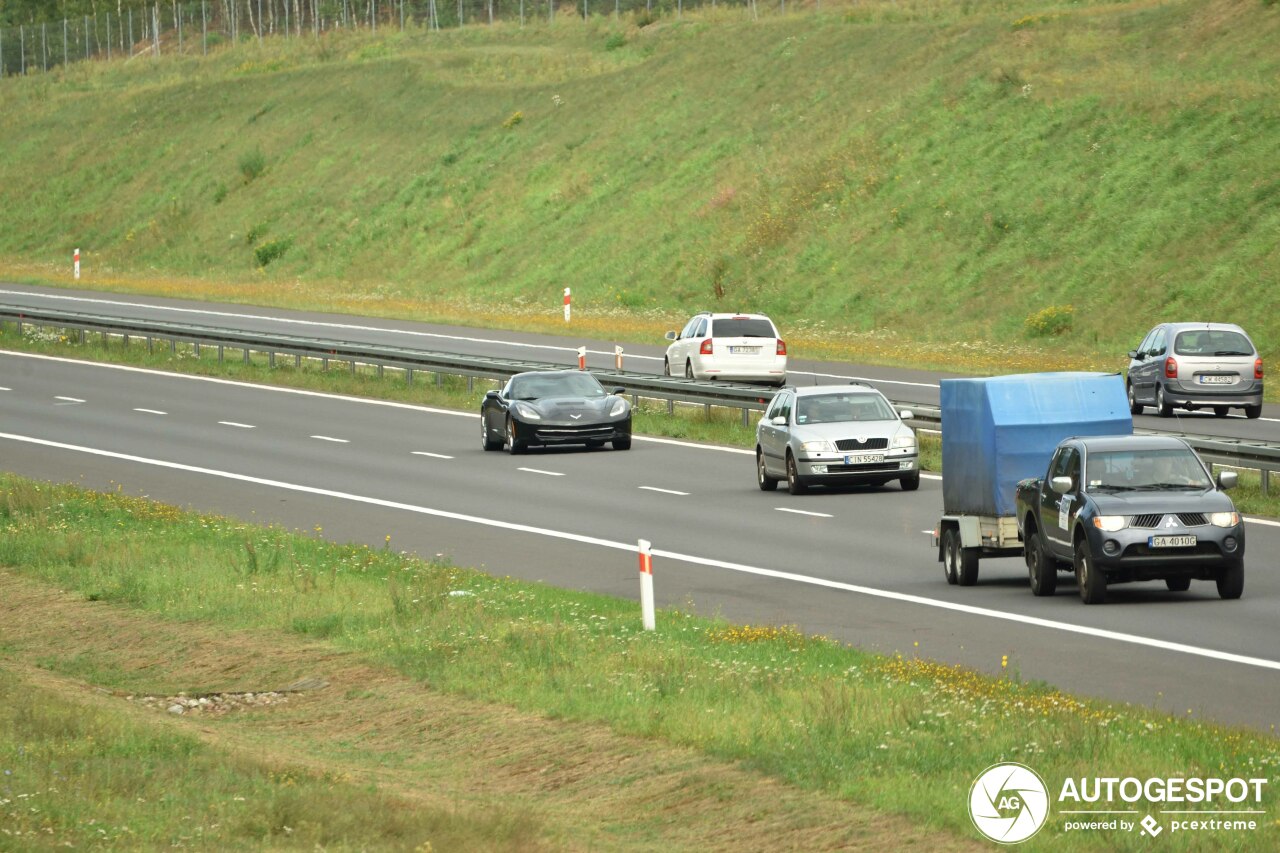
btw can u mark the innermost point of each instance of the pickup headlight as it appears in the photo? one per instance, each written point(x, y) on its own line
point(618, 409)
point(527, 412)
point(819, 446)
point(1109, 523)
point(904, 439)
point(1224, 519)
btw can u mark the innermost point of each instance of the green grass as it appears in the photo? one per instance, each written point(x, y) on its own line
point(897, 733)
point(906, 182)
point(691, 423)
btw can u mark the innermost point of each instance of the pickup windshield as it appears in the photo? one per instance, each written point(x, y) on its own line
point(1145, 470)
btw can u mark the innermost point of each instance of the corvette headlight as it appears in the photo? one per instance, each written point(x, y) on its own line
point(1109, 523)
point(1224, 519)
point(817, 447)
point(527, 412)
point(904, 439)
point(618, 408)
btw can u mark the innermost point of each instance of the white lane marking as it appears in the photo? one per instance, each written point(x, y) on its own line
point(5, 389)
point(1066, 627)
point(151, 411)
point(540, 471)
point(237, 425)
point(1265, 521)
point(432, 455)
point(664, 491)
point(803, 512)
point(452, 412)
point(69, 399)
point(331, 438)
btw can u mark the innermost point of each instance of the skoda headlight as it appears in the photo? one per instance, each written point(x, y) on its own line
point(618, 408)
point(527, 412)
point(819, 446)
point(1109, 523)
point(905, 439)
point(1224, 519)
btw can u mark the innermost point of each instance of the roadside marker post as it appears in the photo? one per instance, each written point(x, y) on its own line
point(582, 358)
point(617, 358)
point(76, 264)
point(646, 585)
point(566, 305)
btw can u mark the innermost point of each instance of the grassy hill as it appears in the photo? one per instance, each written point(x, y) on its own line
point(927, 181)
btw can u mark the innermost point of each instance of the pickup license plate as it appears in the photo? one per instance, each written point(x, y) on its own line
point(1217, 380)
point(863, 458)
point(1171, 541)
point(745, 350)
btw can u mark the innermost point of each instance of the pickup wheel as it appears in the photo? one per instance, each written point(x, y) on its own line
point(1231, 581)
point(1090, 579)
point(1043, 572)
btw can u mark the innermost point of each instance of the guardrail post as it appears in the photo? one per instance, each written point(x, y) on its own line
point(246, 355)
point(1266, 481)
point(219, 353)
point(271, 359)
point(408, 376)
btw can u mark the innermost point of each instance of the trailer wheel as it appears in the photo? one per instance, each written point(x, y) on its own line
point(1044, 574)
point(949, 569)
point(962, 562)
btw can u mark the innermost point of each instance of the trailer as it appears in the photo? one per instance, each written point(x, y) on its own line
point(999, 430)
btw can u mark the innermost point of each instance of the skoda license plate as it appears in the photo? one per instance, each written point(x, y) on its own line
point(1171, 541)
point(744, 350)
point(863, 458)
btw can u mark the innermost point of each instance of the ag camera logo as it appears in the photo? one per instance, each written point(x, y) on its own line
point(1009, 803)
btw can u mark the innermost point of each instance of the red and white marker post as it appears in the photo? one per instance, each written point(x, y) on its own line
point(566, 305)
point(646, 585)
point(75, 264)
point(582, 358)
point(617, 358)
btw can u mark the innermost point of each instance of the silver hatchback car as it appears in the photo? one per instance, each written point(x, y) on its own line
point(1195, 366)
point(834, 435)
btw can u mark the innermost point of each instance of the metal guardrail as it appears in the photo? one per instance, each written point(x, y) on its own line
point(1238, 453)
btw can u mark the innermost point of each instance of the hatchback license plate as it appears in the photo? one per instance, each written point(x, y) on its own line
point(1171, 541)
point(1217, 380)
point(744, 350)
point(863, 458)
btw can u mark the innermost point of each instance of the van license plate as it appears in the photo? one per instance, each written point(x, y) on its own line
point(1171, 541)
point(863, 458)
point(1217, 380)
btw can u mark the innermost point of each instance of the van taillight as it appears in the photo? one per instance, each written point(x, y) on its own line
point(1257, 369)
point(705, 349)
point(782, 347)
point(1170, 368)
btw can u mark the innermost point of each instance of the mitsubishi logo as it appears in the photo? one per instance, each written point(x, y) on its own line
point(1170, 521)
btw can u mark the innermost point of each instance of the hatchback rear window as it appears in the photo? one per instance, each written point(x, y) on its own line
point(742, 327)
point(1215, 343)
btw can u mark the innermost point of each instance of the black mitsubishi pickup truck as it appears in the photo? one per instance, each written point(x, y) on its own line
point(1128, 508)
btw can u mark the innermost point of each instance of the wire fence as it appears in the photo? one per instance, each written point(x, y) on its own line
point(196, 28)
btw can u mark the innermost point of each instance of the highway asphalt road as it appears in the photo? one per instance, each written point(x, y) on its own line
point(855, 565)
point(910, 386)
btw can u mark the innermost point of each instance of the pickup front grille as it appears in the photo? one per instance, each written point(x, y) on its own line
point(1149, 520)
point(1192, 519)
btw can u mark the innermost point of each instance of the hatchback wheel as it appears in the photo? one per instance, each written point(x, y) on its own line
point(666, 367)
point(766, 483)
point(688, 370)
point(1135, 408)
point(1163, 409)
point(794, 484)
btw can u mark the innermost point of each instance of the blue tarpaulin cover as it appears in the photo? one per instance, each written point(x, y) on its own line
point(1001, 429)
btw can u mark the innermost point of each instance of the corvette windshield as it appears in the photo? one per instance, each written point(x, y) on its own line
point(555, 385)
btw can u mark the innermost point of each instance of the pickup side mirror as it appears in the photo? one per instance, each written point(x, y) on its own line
point(1228, 479)
point(1061, 485)
point(671, 336)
